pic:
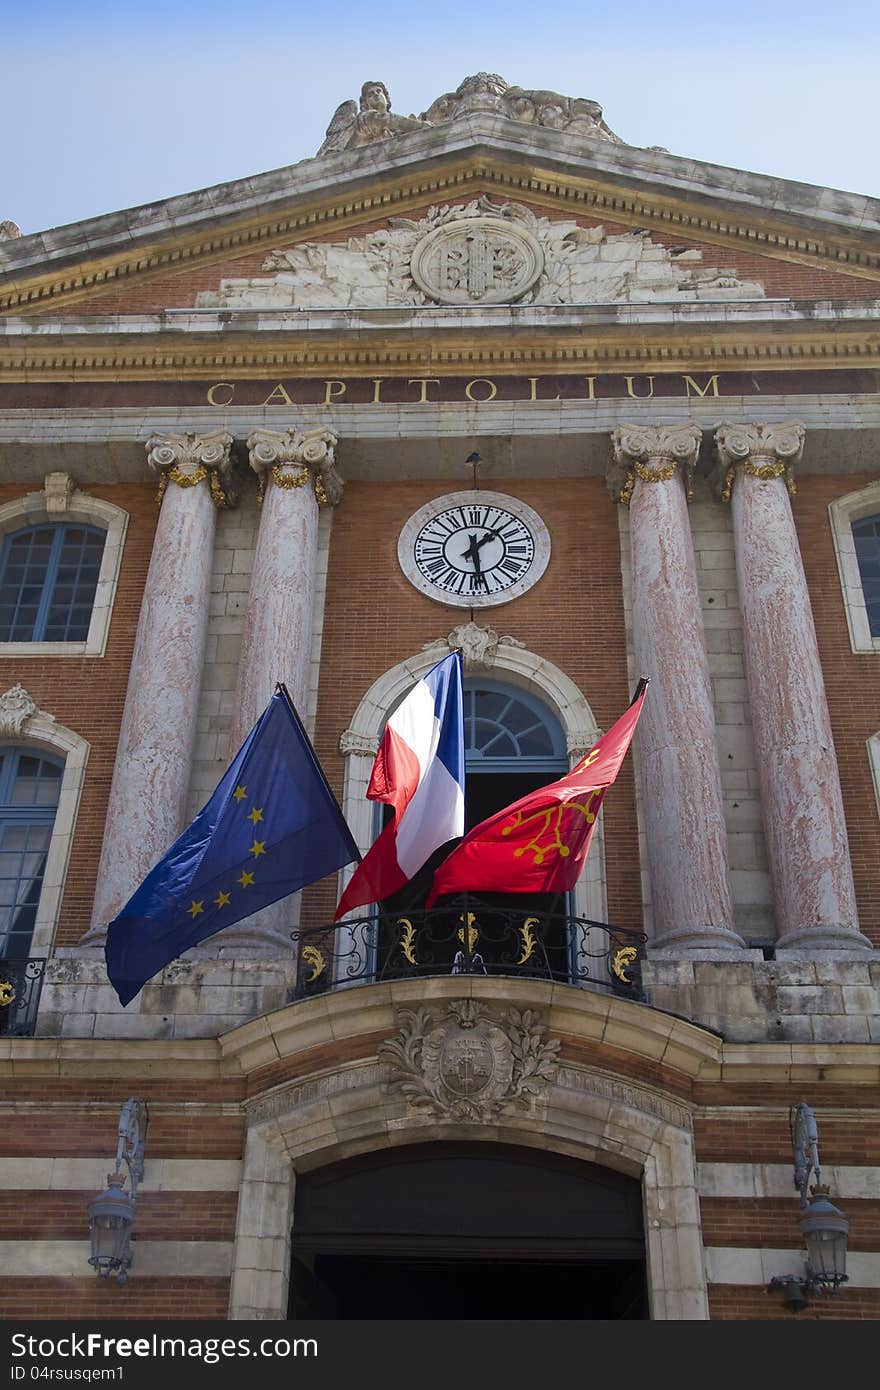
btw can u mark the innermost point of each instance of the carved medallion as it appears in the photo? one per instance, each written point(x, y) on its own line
point(468, 1062)
point(479, 260)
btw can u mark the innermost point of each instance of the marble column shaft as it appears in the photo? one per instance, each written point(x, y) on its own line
point(807, 844)
point(151, 775)
point(675, 746)
point(297, 473)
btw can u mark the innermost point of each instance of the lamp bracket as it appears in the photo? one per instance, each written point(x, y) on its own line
point(132, 1138)
point(805, 1144)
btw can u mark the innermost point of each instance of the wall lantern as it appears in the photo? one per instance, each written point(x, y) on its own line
point(823, 1226)
point(111, 1214)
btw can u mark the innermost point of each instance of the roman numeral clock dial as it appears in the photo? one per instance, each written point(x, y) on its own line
point(474, 549)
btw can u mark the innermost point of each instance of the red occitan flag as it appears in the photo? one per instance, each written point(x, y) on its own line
point(539, 844)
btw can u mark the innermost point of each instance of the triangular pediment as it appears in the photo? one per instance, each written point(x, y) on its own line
point(611, 202)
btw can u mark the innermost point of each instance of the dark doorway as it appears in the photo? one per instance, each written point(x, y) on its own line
point(445, 1231)
point(348, 1288)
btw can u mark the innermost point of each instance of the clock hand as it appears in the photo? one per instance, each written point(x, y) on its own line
point(473, 553)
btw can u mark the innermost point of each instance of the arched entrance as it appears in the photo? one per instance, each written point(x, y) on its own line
point(308, 1112)
point(467, 1230)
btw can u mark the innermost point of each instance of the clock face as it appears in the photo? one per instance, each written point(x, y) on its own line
point(474, 549)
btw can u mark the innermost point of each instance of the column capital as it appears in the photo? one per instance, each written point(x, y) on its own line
point(651, 454)
point(187, 459)
point(761, 451)
point(292, 458)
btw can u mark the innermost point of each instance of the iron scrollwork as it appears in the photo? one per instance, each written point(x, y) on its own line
point(467, 938)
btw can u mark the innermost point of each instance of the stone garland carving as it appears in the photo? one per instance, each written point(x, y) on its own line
point(292, 458)
point(468, 1062)
point(16, 708)
point(652, 454)
point(480, 252)
point(187, 459)
point(779, 446)
point(478, 646)
point(370, 119)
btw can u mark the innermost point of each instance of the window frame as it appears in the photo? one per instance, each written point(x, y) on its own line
point(843, 512)
point(81, 509)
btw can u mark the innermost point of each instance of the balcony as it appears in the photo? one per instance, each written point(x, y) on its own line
point(470, 939)
point(21, 981)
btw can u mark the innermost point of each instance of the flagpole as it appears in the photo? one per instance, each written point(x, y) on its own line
point(640, 689)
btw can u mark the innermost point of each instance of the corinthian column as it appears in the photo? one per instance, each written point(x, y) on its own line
point(151, 775)
point(297, 476)
point(800, 785)
point(675, 747)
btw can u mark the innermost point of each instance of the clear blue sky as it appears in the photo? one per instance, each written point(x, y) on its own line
point(108, 105)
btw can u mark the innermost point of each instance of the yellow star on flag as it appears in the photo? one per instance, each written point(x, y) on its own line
point(222, 899)
point(246, 879)
point(196, 908)
point(240, 793)
point(258, 848)
point(256, 814)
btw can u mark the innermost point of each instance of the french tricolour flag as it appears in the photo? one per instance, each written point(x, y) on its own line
point(419, 770)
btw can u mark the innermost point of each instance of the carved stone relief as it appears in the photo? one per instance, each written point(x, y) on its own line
point(370, 119)
point(468, 1061)
point(16, 708)
point(478, 645)
point(480, 252)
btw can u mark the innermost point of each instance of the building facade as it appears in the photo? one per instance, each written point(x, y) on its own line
point(247, 436)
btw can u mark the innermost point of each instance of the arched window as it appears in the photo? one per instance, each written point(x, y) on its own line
point(48, 580)
point(866, 537)
point(30, 782)
point(510, 731)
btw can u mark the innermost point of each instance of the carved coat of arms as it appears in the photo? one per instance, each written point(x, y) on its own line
point(477, 260)
point(467, 1062)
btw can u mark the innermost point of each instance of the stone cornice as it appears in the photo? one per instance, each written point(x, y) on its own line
point(628, 1029)
point(448, 350)
point(835, 231)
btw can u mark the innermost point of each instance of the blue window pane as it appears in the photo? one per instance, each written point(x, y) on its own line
point(501, 725)
point(29, 786)
point(866, 535)
point(48, 579)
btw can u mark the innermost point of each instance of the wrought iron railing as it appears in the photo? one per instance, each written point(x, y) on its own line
point(470, 939)
point(20, 984)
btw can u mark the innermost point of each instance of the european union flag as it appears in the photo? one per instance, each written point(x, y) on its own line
point(272, 826)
